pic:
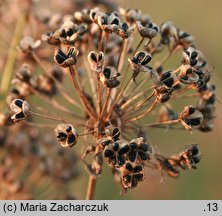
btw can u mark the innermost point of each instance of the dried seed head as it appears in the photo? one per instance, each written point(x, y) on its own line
point(131, 15)
point(27, 44)
point(139, 63)
point(110, 77)
point(163, 93)
point(169, 33)
point(66, 134)
point(115, 152)
point(96, 61)
point(149, 31)
point(51, 38)
point(20, 108)
point(167, 79)
point(185, 39)
point(190, 117)
point(190, 157)
point(132, 173)
point(169, 165)
point(139, 150)
point(113, 133)
point(24, 73)
point(66, 60)
point(194, 58)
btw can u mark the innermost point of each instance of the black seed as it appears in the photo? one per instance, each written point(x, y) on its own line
point(187, 121)
point(127, 178)
point(138, 176)
point(134, 182)
point(146, 60)
point(140, 56)
point(112, 160)
point(199, 72)
point(191, 110)
point(100, 57)
point(104, 20)
point(132, 155)
point(203, 88)
point(68, 129)
point(169, 82)
point(134, 60)
point(133, 145)
point(189, 71)
point(121, 160)
point(212, 99)
point(61, 136)
point(71, 52)
point(194, 150)
point(115, 21)
point(129, 167)
point(124, 150)
point(112, 83)
point(71, 139)
point(18, 103)
point(125, 27)
point(105, 143)
point(144, 147)
point(195, 121)
point(63, 33)
point(60, 57)
point(204, 64)
point(93, 57)
point(165, 98)
point(143, 155)
point(19, 115)
point(137, 169)
point(196, 159)
point(193, 62)
point(107, 72)
point(150, 25)
point(194, 54)
point(115, 133)
point(165, 76)
point(15, 91)
point(187, 52)
point(70, 32)
point(108, 153)
point(184, 35)
point(155, 28)
point(115, 146)
point(168, 166)
point(93, 14)
point(184, 79)
point(200, 83)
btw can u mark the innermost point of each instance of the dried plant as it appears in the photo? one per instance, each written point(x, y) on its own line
point(120, 90)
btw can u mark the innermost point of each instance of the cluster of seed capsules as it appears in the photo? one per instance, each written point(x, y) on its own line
point(110, 101)
point(129, 159)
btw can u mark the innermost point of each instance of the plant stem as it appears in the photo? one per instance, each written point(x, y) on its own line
point(8, 70)
point(91, 188)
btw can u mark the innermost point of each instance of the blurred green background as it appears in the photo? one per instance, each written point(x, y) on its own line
point(203, 20)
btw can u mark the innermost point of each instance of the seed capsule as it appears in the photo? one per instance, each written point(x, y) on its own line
point(20, 108)
point(66, 60)
point(66, 134)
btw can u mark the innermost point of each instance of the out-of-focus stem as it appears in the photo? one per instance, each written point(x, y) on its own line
point(91, 188)
point(8, 70)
